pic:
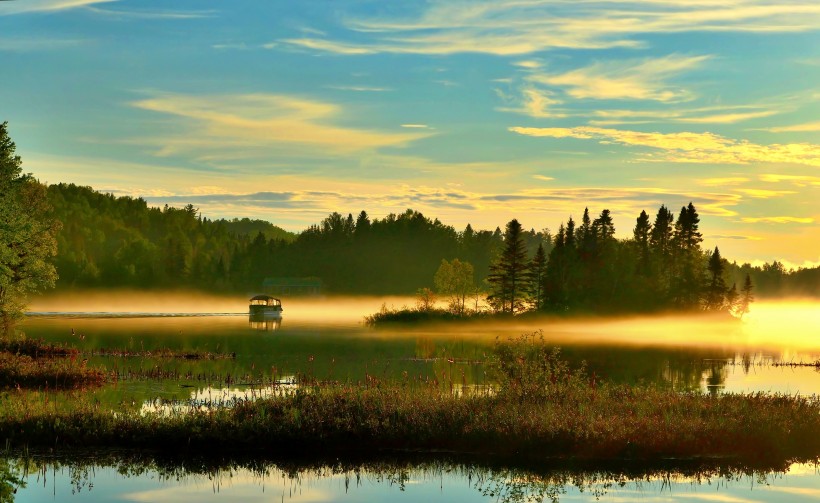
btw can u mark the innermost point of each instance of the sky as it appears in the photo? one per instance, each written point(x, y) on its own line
point(468, 111)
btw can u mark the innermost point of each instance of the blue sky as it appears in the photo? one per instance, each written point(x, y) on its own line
point(467, 111)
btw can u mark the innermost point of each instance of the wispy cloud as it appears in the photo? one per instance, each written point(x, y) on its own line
point(530, 64)
point(798, 180)
point(515, 27)
point(729, 118)
point(720, 114)
point(415, 126)
point(27, 6)
point(533, 102)
point(796, 128)
point(765, 193)
point(361, 89)
point(238, 124)
point(636, 80)
point(688, 146)
point(738, 237)
point(778, 220)
point(723, 181)
point(152, 14)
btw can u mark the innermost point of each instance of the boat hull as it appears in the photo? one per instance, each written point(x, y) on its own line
point(265, 312)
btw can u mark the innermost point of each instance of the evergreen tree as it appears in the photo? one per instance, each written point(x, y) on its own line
point(746, 296)
point(716, 293)
point(537, 278)
point(508, 274)
point(641, 234)
point(586, 237)
point(604, 228)
point(362, 225)
point(687, 286)
point(660, 238)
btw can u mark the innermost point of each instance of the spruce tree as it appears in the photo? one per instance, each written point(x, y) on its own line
point(716, 292)
point(508, 274)
point(746, 296)
point(641, 236)
point(537, 278)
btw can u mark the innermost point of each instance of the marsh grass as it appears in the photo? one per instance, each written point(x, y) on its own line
point(35, 348)
point(540, 409)
point(167, 353)
point(391, 315)
point(21, 371)
point(33, 363)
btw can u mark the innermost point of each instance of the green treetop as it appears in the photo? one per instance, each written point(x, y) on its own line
point(27, 235)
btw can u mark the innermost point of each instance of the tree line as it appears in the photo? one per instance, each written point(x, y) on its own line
point(662, 266)
point(107, 241)
point(97, 240)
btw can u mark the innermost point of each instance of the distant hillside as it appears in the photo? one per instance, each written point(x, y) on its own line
point(109, 241)
point(248, 227)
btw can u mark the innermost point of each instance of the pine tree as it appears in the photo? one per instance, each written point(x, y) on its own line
point(641, 236)
point(604, 228)
point(716, 292)
point(746, 296)
point(508, 274)
point(537, 277)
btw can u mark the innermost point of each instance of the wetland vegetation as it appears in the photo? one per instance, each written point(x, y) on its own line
point(537, 408)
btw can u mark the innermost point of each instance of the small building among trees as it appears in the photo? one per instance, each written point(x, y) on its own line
point(292, 286)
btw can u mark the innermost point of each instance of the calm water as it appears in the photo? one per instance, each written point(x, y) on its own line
point(713, 355)
point(52, 481)
point(684, 353)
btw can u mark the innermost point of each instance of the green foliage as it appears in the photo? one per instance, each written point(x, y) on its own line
point(109, 241)
point(27, 235)
point(454, 280)
point(527, 369)
point(508, 274)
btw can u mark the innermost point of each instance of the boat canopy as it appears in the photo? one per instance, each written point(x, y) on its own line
point(265, 300)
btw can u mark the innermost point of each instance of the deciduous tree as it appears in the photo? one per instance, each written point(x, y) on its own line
point(27, 235)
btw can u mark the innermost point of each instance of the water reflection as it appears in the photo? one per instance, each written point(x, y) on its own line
point(686, 354)
point(214, 398)
point(102, 478)
point(264, 324)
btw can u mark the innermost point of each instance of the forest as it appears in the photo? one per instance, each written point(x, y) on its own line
point(107, 241)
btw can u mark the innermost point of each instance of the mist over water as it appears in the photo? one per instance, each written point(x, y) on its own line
point(787, 325)
point(317, 310)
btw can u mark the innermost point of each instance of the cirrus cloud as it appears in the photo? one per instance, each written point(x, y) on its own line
point(241, 123)
point(688, 147)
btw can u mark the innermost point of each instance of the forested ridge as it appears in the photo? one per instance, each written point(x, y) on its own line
point(107, 241)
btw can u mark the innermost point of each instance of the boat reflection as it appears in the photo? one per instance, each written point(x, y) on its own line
point(264, 323)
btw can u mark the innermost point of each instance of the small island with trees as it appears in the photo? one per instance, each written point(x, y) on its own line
point(587, 270)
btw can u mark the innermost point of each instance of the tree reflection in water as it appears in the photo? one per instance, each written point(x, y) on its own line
point(502, 484)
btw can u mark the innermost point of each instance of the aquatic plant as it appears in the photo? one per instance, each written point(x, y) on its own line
point(538, 409)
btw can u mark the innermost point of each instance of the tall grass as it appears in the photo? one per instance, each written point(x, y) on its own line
point(540, 409)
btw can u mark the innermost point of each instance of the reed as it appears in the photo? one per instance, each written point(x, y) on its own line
point(539, 410)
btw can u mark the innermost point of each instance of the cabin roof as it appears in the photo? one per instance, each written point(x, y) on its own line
point(264, 297)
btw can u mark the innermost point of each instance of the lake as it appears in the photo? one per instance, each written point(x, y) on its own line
point(47, 481)
point(326, 338)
